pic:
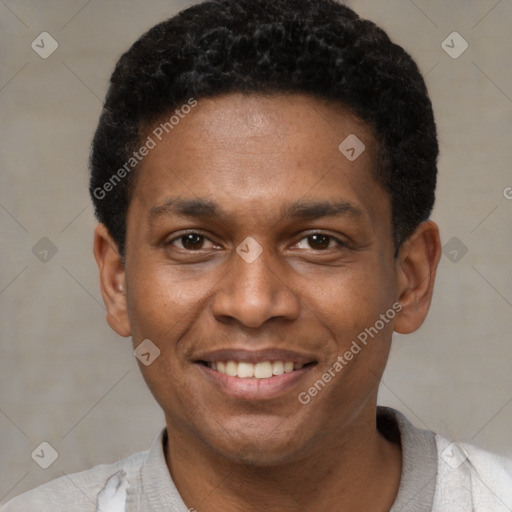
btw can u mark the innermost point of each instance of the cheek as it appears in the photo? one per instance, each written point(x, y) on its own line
point(351, 312)
point(158, 300)
point(163, 309)
point(353, 300)
point(350, 306)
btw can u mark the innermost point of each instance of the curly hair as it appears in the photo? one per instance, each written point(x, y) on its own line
point(315, 47)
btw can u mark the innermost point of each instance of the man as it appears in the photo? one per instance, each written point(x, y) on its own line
point(263, 173)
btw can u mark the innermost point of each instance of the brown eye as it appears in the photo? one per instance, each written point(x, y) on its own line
point(319, 241)
point(189, 241)
point(192, 241)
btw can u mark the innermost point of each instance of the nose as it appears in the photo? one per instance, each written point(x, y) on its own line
point(253, 293)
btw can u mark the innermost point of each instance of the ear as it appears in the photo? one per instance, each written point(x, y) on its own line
point(416, 272)
point(112, 280)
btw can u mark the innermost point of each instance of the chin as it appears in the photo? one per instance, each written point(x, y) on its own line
point(257, 455)
point(258, 447)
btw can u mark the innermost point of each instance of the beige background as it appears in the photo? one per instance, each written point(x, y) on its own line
point(67, 379)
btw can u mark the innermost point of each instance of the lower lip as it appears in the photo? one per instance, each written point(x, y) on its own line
point(255, 389)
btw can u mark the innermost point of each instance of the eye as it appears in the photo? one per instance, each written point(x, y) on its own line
point(319, 241)
point(191, 242)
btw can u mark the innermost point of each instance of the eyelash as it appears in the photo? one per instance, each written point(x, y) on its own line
point(331, 238)
point(184, 234)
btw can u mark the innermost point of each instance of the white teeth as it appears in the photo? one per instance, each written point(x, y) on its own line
point(245, 370)
point(277, 368)
point(288, 367)
point(263, 370)
point(231, 368)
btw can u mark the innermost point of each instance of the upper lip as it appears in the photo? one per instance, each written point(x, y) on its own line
point(254, 356)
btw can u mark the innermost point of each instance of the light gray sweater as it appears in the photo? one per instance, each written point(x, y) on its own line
point(437, 476)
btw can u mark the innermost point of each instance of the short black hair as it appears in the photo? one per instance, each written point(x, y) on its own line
point(316, 47)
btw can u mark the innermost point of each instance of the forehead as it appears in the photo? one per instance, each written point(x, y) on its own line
point(255, 151)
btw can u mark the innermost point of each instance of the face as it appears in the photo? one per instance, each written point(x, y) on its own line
point(254, 245)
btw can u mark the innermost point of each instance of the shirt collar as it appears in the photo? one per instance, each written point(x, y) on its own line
point(157, 492)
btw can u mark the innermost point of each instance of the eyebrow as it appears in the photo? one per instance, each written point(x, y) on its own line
point(186, 208)
point(316, 210)
point(204, 208)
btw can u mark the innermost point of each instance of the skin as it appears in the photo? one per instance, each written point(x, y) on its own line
point(252, 156)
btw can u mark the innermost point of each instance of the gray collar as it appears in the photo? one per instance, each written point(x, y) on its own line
point(419, 461)
point(156, 491)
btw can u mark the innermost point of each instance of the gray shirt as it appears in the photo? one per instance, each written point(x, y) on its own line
point(419, 461)
point(151, 489)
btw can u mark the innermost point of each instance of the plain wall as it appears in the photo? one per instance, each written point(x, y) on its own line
point(67, 379)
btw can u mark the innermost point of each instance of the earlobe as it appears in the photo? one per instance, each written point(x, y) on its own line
point(416, 271)
point(112, 280)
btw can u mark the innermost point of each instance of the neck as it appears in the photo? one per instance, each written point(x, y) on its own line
point(358, 470)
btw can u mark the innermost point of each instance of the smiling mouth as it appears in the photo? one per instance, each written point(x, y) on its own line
point(261, 370)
